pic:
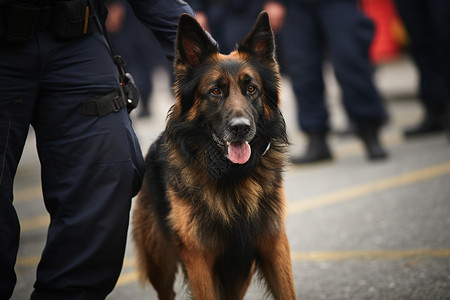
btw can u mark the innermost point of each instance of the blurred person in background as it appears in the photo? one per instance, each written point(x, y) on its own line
point(318, 29)
point(428, 25)
point(138, 47)
point(229, 21)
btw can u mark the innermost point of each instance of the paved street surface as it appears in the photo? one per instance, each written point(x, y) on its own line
point(357, 229)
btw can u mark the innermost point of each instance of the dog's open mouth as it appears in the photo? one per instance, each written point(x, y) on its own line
point(239, 152)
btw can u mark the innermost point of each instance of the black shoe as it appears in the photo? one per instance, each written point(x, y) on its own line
point(369, 137)
point(431, 124)
point(316, 151)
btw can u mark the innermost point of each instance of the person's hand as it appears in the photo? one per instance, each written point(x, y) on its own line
point(202, 19)
point(277, 13)
point(116, 17)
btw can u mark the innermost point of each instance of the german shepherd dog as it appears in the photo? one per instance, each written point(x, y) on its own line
point(213, 197)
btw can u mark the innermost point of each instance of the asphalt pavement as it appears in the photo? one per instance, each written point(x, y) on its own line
point(357, 229)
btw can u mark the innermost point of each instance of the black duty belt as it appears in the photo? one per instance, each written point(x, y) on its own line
point(66, 20)
point(104, 105)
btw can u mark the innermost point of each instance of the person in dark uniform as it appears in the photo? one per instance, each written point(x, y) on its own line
point(228, 21)
point(317, 28)
point(139, 48)
point(59, 76)
point(428, 25)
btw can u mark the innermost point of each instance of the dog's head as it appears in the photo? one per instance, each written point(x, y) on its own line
point(232, 98)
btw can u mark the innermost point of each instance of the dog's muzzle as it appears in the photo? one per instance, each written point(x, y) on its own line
point(235, 140)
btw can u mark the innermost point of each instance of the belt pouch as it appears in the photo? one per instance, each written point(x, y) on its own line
point(73, 19)
point(21, 23)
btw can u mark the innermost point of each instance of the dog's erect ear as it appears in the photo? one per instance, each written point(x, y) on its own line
point(260, 40)
point(193, 44)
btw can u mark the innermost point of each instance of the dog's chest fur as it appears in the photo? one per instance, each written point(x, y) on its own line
point(230, 211)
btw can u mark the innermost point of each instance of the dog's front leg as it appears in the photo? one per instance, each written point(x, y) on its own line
point(199, 267)
point(275, 265)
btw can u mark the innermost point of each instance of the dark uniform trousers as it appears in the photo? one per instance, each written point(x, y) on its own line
point(91, 166)
point(231, 20)
point(428, 25)
point(335, 29)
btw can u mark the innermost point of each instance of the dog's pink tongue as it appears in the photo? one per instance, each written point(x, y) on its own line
point(239, 153)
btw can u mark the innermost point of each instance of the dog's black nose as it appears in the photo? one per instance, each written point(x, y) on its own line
point(240, 126)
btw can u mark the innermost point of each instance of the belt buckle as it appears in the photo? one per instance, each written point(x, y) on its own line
point(116, 104)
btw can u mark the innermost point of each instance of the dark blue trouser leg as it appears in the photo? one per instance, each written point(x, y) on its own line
point(349, 34)
point(303, 50)
point(428, 25)
point(240, 17)
point(91, 166)
point(18, 90)
point(340, 30)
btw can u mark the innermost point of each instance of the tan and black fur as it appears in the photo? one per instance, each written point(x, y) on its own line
point(221, 215)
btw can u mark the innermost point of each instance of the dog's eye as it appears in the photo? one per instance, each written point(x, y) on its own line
point(216, 92)
point(251, 89)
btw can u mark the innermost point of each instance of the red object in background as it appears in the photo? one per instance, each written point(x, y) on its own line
point(389, 34)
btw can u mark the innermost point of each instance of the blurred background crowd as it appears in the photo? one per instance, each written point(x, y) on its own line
point(350, 37)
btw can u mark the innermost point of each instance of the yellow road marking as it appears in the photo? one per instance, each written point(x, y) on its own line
point(368, 188)
point(28, 261)
point(35, 223)
point(368, 254)
point(129, 262)
point(28, 194)
point(126, 278)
